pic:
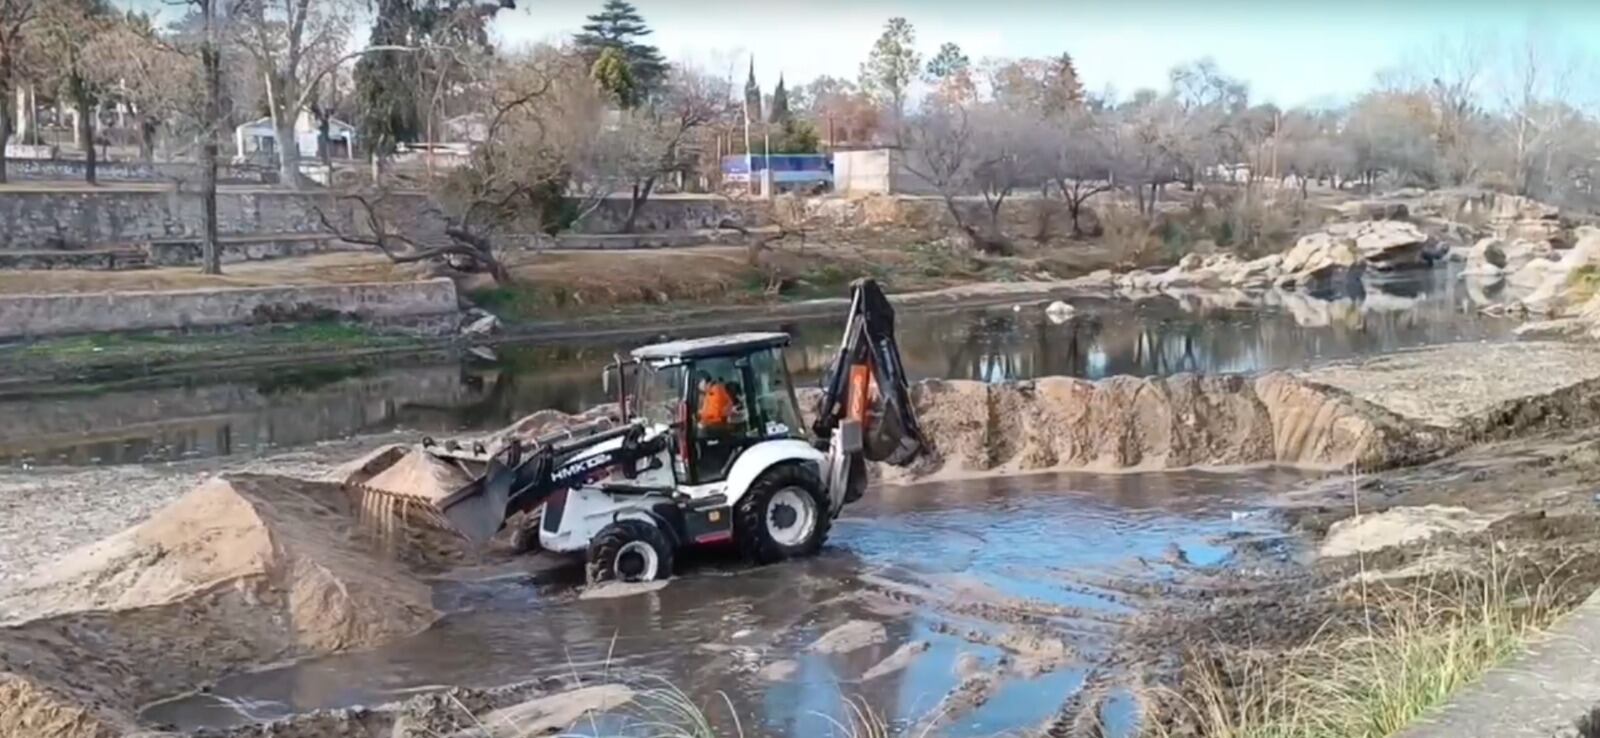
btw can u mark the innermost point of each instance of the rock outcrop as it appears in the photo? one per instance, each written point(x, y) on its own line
point(1319, 263)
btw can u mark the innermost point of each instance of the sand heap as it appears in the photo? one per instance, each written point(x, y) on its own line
point(242, 571)
point(1060, 423)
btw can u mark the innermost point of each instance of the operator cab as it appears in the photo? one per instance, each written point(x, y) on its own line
point(720, 395)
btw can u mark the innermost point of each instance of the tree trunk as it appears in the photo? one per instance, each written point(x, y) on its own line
point(5, 106)
point(641, 194)
point(211, 66)
point(86, 118)
point(325, 144)
point(288, 151)
point(147, 138)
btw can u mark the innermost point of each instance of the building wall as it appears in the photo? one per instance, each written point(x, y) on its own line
point(430, 304)
point(875, 172)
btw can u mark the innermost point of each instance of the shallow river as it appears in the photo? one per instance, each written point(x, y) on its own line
point(206, 416)
point(965, 570)
point(1007, 594)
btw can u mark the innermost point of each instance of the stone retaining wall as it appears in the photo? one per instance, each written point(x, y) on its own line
point(74, 220)
point(133, 171)
point(430, 306)
point(188, 251)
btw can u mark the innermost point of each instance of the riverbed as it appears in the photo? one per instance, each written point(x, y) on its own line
point(984, 606)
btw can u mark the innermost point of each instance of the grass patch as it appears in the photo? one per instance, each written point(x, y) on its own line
point(510, 302)
point(1417, 647)
point(1584, 283)
point(115, 355)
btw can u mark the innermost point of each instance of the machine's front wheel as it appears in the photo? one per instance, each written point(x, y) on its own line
point(783, 515)
point(629, 551)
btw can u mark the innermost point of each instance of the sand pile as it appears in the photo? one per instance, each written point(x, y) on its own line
point(1399, 526)
point(242, 571)
point(1154, 423)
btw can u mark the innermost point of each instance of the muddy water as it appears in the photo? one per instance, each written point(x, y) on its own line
point(959, 569)
point(214, 416)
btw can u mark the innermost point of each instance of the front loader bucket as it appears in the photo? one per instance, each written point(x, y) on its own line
point(479, 509)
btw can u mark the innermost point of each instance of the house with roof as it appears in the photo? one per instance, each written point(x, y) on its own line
point(258, 140)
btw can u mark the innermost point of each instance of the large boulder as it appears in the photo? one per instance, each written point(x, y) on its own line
point(1321, 262)
point(1494, 256)
point(1386, 244)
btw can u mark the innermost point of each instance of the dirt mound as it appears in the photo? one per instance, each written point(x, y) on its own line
point(29, 711)
point(1153, 423)
point(1397, 527)
point(242, 571)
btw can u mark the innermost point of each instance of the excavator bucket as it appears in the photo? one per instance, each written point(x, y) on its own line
point(867, 382)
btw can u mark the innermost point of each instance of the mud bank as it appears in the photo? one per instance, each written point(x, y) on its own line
point(1126, 423)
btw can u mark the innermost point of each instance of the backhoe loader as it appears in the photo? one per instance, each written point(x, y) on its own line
point(711, 450)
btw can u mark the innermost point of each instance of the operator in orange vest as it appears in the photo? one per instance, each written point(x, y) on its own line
point(716, 403)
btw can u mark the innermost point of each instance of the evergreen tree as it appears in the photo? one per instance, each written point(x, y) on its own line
point(1064, 91)
point(386, 81)
point(752, 94)
point(389, 84)
point(619, 26)
point(780, 104)
point(949, 61)
point(612, 73)
point(891, 66)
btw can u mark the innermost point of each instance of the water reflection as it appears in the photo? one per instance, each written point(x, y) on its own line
point(1159, 335)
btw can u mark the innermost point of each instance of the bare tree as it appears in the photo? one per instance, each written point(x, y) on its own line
point(663, 137)
point(1536, 82)
point(956, 155)
point(1079, 162)
point(295, 44)
point(518, 174)
point(16, 18)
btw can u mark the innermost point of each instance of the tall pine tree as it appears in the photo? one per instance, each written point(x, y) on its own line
point(752, 94)
point(780, 104)
point(386, 81)
point(619, 26)
point(391, 86)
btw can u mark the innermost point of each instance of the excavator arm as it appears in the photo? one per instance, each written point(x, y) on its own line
point(867, 384)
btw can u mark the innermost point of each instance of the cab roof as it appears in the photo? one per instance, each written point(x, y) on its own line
point(696, 348)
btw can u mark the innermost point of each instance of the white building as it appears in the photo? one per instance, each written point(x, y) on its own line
point(258, 140)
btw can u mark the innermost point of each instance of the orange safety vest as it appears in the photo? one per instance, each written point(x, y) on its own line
point(716, 408)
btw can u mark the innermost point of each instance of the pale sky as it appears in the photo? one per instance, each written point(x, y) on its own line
point(1291, 51)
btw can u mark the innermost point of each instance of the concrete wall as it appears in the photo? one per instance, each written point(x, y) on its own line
point(430, 304)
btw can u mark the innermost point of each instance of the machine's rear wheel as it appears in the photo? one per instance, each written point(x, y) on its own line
point(629, 551)
point(783, 515)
